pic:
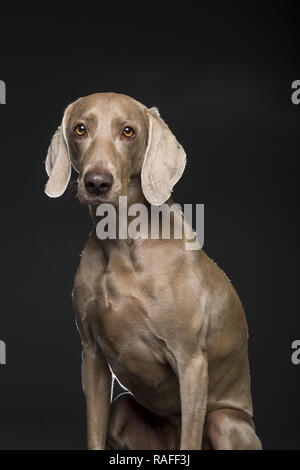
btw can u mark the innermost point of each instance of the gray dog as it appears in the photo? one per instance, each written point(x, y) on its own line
point(165, 321)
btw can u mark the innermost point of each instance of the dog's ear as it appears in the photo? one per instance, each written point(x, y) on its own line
point(164, 161)
point(58, 164)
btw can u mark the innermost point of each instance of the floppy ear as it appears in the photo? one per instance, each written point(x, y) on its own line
point(58, 165)
point(164, 161)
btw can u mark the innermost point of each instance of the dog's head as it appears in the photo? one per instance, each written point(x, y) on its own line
point(110, 140)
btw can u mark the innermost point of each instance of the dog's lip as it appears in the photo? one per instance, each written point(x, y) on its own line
point(98, 199)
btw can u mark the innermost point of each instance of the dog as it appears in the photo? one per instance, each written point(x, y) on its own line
point(163, 320)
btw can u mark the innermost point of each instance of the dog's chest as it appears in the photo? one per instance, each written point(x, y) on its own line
point(120, 317)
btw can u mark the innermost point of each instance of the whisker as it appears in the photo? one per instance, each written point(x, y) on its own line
point(71, 189)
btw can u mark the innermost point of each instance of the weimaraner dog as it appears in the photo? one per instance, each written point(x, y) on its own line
point(164, 320)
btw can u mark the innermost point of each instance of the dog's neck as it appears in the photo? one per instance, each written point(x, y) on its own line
point(134, 196)
point(125, 245)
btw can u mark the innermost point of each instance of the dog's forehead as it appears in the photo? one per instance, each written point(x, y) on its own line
point(106, 105)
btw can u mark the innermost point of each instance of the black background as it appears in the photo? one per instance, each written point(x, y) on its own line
point(221, 78)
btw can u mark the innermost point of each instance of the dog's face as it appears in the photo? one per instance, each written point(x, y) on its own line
point(107, 138)
point(110, 140)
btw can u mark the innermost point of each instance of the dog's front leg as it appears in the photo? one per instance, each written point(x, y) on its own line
point(193, 379)
point(97, 381)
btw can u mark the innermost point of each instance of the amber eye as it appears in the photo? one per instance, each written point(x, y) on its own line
point(80, 130)
point(128, 132)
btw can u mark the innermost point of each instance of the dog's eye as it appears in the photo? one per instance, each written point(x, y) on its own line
point(128, 132)
point(80, 130)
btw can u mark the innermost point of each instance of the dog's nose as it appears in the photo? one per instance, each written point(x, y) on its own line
point(98, 183)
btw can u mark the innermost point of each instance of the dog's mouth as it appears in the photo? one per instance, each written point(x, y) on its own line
point(96, 197)
point(93, 199)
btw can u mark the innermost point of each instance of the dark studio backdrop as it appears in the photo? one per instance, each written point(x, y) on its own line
point(221, 78)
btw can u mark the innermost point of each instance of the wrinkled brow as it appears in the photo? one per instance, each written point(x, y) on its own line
point(83, 117)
